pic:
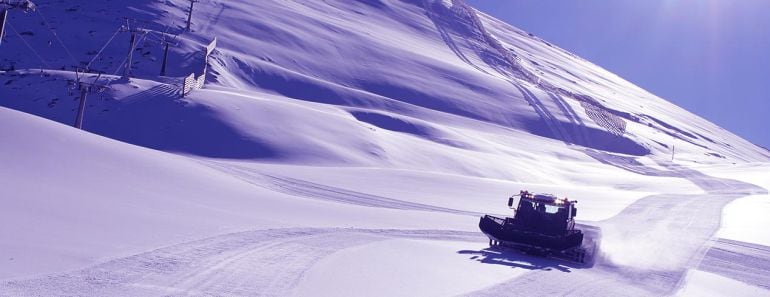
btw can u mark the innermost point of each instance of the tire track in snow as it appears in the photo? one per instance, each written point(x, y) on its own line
point(578, 126)
point(741, 261)
point(513, 71)
point(554, 125)
point(650, 245)
point(446, 35)
point(253, 263)
point(306, 189)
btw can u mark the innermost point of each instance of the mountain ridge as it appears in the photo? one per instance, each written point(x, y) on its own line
point(455, 60)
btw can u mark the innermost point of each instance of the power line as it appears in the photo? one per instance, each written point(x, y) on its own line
point(25, 5)
point(126, 58)
point(123, 62)
point(133, 44)
point(50, 28)
point(28, 46)
point(103, 48)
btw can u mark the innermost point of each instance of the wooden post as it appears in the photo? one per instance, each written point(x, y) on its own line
point(673, 150)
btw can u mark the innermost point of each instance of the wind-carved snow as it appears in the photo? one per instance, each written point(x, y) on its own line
point(334, 135)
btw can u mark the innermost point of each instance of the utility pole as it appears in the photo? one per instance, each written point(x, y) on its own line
point(166, 43)
point(132, 42)
point(6, 5)
point(3, 16)
point(85, 88)
point(189, 14)
point(130, 55)
point(165, 59)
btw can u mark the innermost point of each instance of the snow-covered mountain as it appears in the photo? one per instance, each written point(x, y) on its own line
point(400, 120)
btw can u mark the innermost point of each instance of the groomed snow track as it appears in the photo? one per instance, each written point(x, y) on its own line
point(664, 235)
point(659, 238)
point(311, 190)
point(253, 263)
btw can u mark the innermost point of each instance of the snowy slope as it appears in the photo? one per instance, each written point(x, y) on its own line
point(442, 63)
point(334, 136)
point(116, 219)
point(89, 196)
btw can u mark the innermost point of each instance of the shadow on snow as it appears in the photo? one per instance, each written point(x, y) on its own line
point(516, 259)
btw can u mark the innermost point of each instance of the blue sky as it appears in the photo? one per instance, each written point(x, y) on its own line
point(711, 57)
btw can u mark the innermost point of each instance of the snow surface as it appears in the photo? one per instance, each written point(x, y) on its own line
point(363, 269)
point(702, 284)
point(348, 147)
point(743, 219)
